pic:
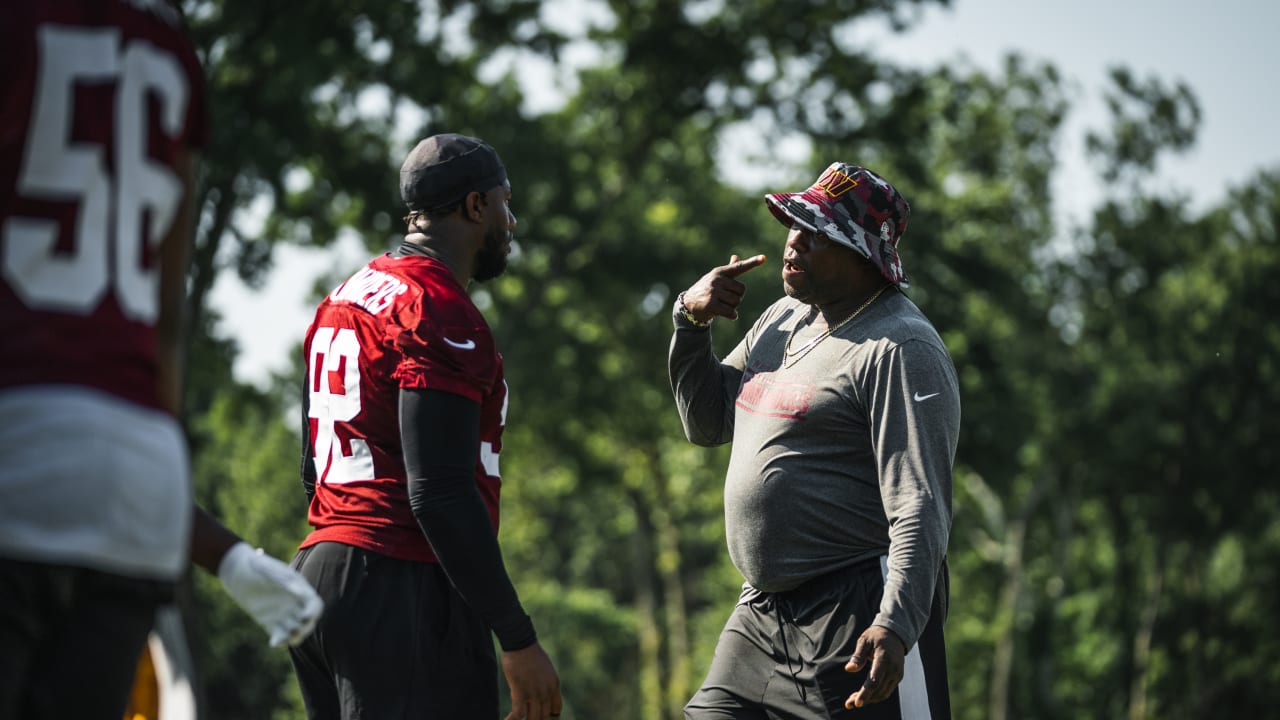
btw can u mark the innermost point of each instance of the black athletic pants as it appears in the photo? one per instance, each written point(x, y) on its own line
point(396, 642)
point(781, 656)
point(70, 639)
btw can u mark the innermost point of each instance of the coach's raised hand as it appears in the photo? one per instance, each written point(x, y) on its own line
point(719, 292)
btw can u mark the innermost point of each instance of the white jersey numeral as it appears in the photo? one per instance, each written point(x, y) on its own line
point(58, 168)
point(488, 457)
point(334, 389)
point(333, 386)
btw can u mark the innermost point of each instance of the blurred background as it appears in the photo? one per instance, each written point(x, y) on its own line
point(1096, 194)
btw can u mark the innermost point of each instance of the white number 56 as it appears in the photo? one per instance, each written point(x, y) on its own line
point(56, 168)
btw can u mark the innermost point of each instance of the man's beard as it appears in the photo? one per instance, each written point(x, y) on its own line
point(491, 260)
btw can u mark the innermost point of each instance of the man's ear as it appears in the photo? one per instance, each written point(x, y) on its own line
point(473, 206)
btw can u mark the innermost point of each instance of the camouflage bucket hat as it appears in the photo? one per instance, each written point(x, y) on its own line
point(855, 207)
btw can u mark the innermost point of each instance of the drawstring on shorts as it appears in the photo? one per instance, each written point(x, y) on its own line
point(782, 630)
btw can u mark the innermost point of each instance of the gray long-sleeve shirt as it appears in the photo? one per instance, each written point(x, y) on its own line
point(842, 455)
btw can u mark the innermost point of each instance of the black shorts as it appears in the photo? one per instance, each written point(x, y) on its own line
point(396, 641)
point(782, 655)
point(70, 639)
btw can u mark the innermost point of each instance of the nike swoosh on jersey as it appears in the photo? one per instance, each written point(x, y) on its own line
point(468, 345)
point(920, 397)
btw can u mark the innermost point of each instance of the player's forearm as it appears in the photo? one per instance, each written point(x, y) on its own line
point(440, 440)
point(452, 515)
point(210, 540)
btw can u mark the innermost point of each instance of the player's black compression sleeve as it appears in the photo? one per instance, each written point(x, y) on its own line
point(440, 434)
point(308, 470)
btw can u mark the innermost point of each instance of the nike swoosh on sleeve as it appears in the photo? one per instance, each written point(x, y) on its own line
point(917, 396)
point(468, 345)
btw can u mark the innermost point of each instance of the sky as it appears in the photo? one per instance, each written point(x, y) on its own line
point(1224, 51)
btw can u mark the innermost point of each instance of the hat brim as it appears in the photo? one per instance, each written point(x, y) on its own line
point(792, 209)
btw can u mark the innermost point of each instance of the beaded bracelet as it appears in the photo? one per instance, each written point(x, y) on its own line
point(688, 316)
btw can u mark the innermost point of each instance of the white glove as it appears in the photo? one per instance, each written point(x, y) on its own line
point(274, 594)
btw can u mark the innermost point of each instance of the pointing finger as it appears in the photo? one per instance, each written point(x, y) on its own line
point(737, 267)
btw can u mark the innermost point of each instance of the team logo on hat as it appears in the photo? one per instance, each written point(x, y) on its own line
point(835, 183)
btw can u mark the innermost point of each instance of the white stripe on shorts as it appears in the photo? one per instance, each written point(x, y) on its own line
point(913, 694)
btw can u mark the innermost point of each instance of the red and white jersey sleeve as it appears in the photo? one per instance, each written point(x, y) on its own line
point(398, 323)
point(97, 100)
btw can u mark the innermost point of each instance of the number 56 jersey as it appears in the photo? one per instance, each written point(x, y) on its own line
point(98, 101)
point(400, 322)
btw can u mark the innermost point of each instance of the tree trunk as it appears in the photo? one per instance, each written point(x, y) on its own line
point(1063, 512)
point(669, 563)
point(1142, 641)
point(1010, 597)
point(1007, 610)
point(648, 624)
point(204, 256)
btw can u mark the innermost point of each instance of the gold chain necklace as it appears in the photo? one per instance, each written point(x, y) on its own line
point(791, 357)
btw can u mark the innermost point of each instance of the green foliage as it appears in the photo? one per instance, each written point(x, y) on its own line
point(1115, 544)
point(246, 474)
point(1148, 120)
point(1177, 376)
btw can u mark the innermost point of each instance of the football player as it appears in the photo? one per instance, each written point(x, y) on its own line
point(405, 406)
point(101, 118)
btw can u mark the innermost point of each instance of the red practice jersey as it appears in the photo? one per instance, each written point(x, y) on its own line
point(401, 322)
point(97, 99)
